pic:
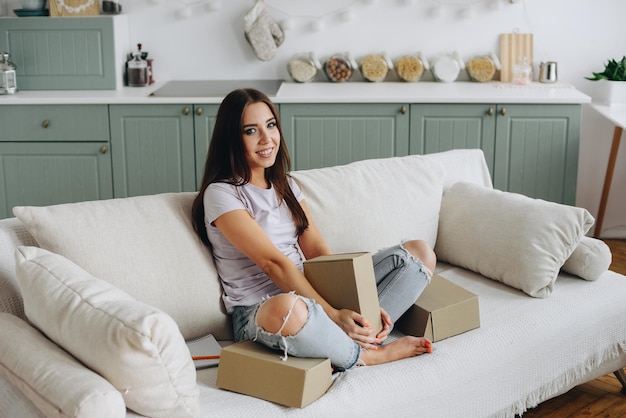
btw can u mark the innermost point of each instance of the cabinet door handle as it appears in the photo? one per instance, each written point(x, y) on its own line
point(199, 111)
point(103, 149)
point(45, 123)
point(185, 111)
point(403, 110)
point(490, 111)
point(503, 111)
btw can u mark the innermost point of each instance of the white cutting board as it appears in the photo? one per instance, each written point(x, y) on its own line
point(512, 47)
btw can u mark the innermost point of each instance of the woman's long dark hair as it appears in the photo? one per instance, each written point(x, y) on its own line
point(226, 159)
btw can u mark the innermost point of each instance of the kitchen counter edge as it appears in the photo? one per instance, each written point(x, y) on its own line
point(323, 92)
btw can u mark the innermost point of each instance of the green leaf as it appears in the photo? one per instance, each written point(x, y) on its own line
point(613, 70)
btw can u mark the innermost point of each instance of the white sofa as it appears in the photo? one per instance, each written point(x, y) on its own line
point(116, 286)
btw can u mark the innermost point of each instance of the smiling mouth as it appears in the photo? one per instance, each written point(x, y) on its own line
point(265, 152)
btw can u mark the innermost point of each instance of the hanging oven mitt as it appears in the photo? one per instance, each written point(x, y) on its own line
point(262, 32)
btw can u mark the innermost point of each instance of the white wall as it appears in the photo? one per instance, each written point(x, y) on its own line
point(579, 34)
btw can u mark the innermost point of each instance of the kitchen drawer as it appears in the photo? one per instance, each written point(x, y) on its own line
point(41, 123)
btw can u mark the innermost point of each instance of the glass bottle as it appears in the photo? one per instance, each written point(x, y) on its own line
point(8, 80)
point(522, 72)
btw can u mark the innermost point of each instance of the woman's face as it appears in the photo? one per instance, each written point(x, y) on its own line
point(261, 137)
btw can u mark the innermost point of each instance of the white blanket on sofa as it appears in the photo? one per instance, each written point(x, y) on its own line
point(522, 343)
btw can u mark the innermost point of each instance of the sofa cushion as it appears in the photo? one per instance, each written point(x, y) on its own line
point(590, 259)
point(136, 347)
point(509, 237)
point(144, 245)
point(54, 381)
point(372, 204)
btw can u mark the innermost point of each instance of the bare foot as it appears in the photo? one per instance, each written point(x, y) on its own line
point(404, 347)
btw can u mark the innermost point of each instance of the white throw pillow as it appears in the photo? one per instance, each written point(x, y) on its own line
point(143, 245)
point(590, 259)
point(509, 237)
point(372, 204)
point(136, 347)
point(54, 381)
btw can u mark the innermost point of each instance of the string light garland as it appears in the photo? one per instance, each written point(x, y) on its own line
point(347, 13)
point(463, 9)
point(186, 11)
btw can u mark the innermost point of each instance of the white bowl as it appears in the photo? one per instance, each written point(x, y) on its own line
point(33, 4)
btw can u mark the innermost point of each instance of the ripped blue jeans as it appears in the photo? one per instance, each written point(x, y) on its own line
point(400, 279)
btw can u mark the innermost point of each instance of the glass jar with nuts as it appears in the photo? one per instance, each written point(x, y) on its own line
point(411, 68)
point(339, 68)
point(483, 68)
point(303, 67)
point(375, 67)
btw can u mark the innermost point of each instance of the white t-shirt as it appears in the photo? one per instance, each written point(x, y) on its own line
point(243, 281)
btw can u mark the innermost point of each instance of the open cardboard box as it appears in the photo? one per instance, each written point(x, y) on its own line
point(347, 281)
point(253, 369)
point(443, 310)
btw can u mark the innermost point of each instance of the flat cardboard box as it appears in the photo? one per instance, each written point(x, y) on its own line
point(443, 310)
point(347, 281)
point(253, 369)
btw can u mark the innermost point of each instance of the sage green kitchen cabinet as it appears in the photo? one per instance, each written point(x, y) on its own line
point(443, 127)
point(328, 134)
point(51, 154)
point(529, 148)
point(204, 121)
point(63, 53)
point(159, 148)
point(152, 149)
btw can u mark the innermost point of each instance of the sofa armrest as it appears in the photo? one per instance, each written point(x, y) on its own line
point(13, 233)
point(54, 381)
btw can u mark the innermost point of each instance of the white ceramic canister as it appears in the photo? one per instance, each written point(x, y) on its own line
point(446, 68)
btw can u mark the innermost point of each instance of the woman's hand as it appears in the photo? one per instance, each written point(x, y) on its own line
point(386, 320)
point(357, 327)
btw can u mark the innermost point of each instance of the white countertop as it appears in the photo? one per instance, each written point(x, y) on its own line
point(326, 92)
point(615, 112)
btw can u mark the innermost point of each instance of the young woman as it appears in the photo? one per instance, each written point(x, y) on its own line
point(253, 216)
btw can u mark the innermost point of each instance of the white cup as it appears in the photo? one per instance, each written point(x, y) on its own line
point(33, 4)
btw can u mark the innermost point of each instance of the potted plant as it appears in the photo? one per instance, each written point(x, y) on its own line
point(610, 86)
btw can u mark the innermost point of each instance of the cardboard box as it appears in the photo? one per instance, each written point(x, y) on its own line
point(253, 369)
point(443, 310)
point(347, 281)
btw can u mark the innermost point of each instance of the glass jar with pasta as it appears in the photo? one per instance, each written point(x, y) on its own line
point(483, 68)
point(375, 67)
point(411, 68)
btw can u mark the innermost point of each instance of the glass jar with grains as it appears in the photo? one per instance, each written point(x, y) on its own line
point(375, 67)
point(411, 68)
point(303, 67)
point(339, 67)
point(483, 68)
